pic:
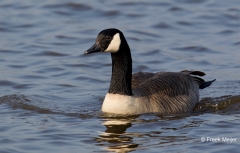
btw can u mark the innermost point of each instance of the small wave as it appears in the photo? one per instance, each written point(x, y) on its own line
point(65, 37)
point(23, 102)
point(24, 26)
point(137, 3)
point(3, 29)
point(197, 49)
point(144, 33)
point(71, 5)
point(111, 13)
point(225, 104)
point(10, 51)
point(45, 107)
point(237, 43)
point(190, 1)
point(135, 15)
point(184, 23)
point(50, 53)
point(162, 25)
point(227, 32)
point(175, 9)
point(17, 66)
point(7, 83)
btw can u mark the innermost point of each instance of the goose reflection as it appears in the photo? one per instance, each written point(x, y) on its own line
point(117, 137)
point(131, 134)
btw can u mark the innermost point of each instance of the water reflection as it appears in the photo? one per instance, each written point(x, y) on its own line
point(116, 137)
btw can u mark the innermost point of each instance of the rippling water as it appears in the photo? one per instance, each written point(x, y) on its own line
point(51, 93)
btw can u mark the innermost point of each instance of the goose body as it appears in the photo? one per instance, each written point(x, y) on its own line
point(143, 92)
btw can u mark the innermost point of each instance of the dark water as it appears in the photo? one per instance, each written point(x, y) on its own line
point(51, 93)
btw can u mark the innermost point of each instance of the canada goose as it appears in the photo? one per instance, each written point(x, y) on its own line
point(162, 92)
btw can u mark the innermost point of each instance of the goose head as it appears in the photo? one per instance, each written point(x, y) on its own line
point(113, 41)
point(108, 40)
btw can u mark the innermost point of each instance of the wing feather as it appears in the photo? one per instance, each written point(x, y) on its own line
point(169, 92)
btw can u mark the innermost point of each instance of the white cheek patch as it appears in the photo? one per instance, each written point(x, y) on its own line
point(114, 45)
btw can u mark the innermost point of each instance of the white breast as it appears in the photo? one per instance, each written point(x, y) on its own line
point(122, 104)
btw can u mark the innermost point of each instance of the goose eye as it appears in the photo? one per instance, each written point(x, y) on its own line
point(108, 37)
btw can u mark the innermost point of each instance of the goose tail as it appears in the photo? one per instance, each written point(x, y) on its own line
point(206, 84)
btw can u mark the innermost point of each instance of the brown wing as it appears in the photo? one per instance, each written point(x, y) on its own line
point(166, 83)
point(140, 77)
point(168, 92)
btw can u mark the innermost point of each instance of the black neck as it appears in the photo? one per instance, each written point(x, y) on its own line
point(121, 71)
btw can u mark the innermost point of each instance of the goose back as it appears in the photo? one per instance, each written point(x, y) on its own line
point(166, 92)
